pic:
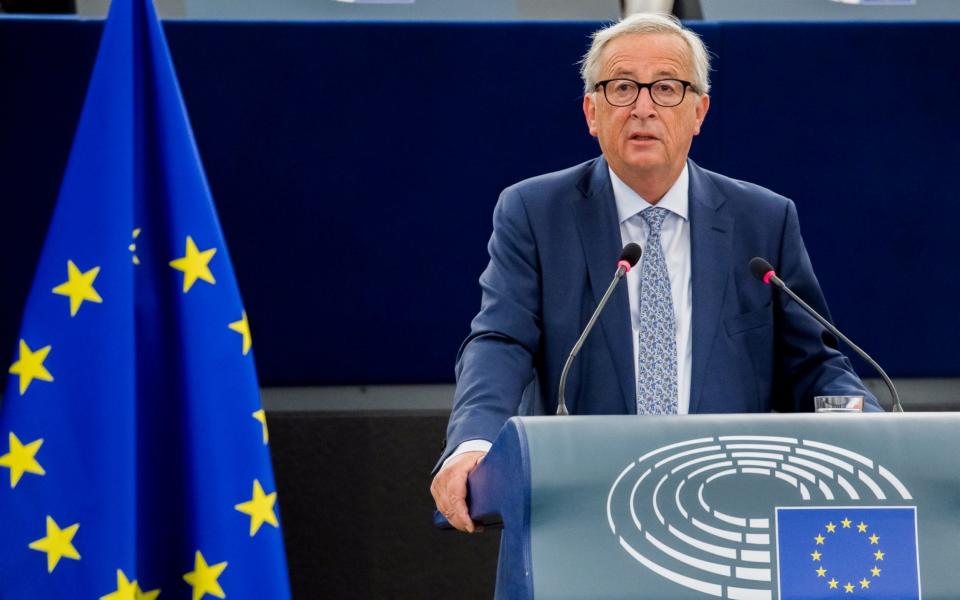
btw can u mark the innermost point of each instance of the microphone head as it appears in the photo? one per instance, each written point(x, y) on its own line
point(761, 269)
point(631, 254)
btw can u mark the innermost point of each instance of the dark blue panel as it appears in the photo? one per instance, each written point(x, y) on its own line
point(363, 162)
point(355, 168)
point(44, 69)
point(855, 123)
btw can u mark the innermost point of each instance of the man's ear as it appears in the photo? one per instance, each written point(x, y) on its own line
point(590, 113)
point(703, 105)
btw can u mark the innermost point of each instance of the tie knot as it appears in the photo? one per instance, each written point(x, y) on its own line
point(654, 218)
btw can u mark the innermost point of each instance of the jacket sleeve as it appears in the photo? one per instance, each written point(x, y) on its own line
point(809, 362)
point(496, 361)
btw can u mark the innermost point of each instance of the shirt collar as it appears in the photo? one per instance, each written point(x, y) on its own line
point(630, 203)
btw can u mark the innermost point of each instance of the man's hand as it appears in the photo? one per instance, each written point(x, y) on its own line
point(449, 489)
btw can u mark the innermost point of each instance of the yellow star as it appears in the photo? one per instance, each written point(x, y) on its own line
point(821, 572)
point(875, 571)
point(833, 584)
point(30, 366)
point(79, 287)
point(862, 527)
point(874, 539)
point(846, 523)
point(878, 555)
point(864, 583)
point(21, 459)
point(142, 595)
point(831, 528)
point(133, 246)
point(261, 416)
point(126, 590)
point(816, 555)
point(57, 544)
point(203, 578)
point(819, 539)
point(260, 508)
point(848, 588)
point(194, 265)
point(243, 328)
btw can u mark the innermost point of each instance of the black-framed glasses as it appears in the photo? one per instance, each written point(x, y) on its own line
point(663, 92)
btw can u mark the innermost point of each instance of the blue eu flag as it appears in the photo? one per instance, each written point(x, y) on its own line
point(131, 432)
point(859, 552)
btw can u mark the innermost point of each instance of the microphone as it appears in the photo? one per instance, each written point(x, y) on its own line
point(629, 256)
point(763, 271)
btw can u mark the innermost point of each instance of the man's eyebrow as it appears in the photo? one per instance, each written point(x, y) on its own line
point(621, 72)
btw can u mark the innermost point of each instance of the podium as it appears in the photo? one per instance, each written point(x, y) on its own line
point(745, 507)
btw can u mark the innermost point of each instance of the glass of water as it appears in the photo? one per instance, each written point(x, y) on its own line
point(838, 404)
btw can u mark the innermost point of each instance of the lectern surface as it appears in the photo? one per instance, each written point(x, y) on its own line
point(741, 507)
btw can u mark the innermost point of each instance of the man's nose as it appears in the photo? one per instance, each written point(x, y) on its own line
point(644, 105)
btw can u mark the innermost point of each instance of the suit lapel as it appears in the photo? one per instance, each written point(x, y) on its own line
point(711, 235)
point(599, 230)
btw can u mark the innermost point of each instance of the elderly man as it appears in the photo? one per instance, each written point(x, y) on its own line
point(691, 331)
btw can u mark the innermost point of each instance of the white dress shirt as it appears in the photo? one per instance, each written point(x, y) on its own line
point(675, 240)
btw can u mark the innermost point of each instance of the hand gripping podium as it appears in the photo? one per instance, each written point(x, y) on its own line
point(743, 507)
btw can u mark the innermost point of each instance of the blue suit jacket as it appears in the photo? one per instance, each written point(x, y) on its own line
point(553, 252)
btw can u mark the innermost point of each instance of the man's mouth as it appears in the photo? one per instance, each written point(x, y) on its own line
point(642, 137)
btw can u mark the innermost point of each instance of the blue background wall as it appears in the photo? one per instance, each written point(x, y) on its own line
point(355, 168)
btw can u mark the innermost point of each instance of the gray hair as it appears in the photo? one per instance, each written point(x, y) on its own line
point(644, 23)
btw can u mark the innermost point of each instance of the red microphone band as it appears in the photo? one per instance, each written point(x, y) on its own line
point(624, 265)
point(768, 275)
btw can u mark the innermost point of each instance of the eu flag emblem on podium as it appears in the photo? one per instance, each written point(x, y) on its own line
point(857, 552)
point(134, 456)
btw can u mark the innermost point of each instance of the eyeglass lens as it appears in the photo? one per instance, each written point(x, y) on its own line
point(624, 92)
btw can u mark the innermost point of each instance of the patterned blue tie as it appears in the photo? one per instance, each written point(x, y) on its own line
point(657, 368)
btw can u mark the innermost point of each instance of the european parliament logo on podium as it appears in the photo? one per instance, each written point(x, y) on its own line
point(754, 517)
